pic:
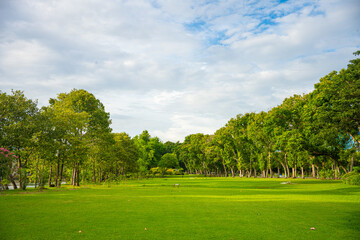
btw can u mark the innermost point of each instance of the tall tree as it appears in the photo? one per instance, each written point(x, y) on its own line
point(338, 101)
point(17, 126)
point(84, 124)
point(126, 154)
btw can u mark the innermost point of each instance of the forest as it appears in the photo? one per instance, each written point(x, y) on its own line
point(313, 135)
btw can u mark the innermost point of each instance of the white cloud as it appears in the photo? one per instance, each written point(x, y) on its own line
point(174, 67)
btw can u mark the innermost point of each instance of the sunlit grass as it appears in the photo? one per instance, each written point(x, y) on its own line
point(200, 208)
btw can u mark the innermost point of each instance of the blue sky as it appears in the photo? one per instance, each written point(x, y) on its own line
point(175, 67)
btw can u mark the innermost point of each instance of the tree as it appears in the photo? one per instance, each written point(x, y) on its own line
point(83, 124)
point(286, 122)
point(242, 144)
point(338, 102)
point(126, 154)
point(17, 126)
point(151, 150)
point(8, 168)
point(169, 160)
point(261, 141)
point(194, 150)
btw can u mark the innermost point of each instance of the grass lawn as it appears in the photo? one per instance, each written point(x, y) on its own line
point(201, 208)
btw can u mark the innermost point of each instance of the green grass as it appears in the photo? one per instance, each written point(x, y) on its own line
point(201, 208)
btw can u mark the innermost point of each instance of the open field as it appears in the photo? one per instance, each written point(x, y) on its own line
point(201, 208)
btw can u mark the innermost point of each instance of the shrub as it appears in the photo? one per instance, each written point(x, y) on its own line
point(170, 171)
point(179, 171)
point(155, 170)
point(352, 178)
point(356, 169)
point(326, 174)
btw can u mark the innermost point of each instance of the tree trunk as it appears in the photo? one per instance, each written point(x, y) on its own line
point(285, 172)
point(232, 172)
point(12, 181)
point(343, 168)
point(61, 174)
point(78, 175)
point(302, 172)
point(225, 169)
point(271, 172)
point(72, 176)
point(94, 173)
point(19, 168)
point(287, 165)
point(57, 173)
point(288, 170)
point(50, 176)
point(313, 171)
point(250, 173)
point(203, 163)
point(278, 170)
point(255, 173)
point(317, 172)
point(37, 177)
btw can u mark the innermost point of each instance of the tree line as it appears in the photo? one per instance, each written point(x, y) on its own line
point(315, 134)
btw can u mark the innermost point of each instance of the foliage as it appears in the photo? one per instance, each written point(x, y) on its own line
point(18, 118)
point(151, 150)
point(169, 160)
point(352, 178)
point(315, 134)
point(8, 166)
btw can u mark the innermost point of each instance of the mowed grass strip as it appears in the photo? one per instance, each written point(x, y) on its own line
point(200, 208)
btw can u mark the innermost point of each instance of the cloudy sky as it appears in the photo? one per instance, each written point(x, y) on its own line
point(174, 67)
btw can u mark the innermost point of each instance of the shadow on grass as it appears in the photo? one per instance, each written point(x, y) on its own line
point(351, 222)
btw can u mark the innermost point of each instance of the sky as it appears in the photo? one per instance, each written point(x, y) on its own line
point(174, 67)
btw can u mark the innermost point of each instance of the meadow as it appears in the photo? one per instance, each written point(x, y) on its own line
point(197, 208)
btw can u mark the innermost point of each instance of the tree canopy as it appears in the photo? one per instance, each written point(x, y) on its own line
point(315, 134)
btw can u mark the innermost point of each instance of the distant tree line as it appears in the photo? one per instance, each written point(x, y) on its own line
point(315, 134)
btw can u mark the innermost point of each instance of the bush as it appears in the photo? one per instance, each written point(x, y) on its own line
point(155, 170)
point(179, 171)
point(326, 174)
point(170, 171)
point(352, 178)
